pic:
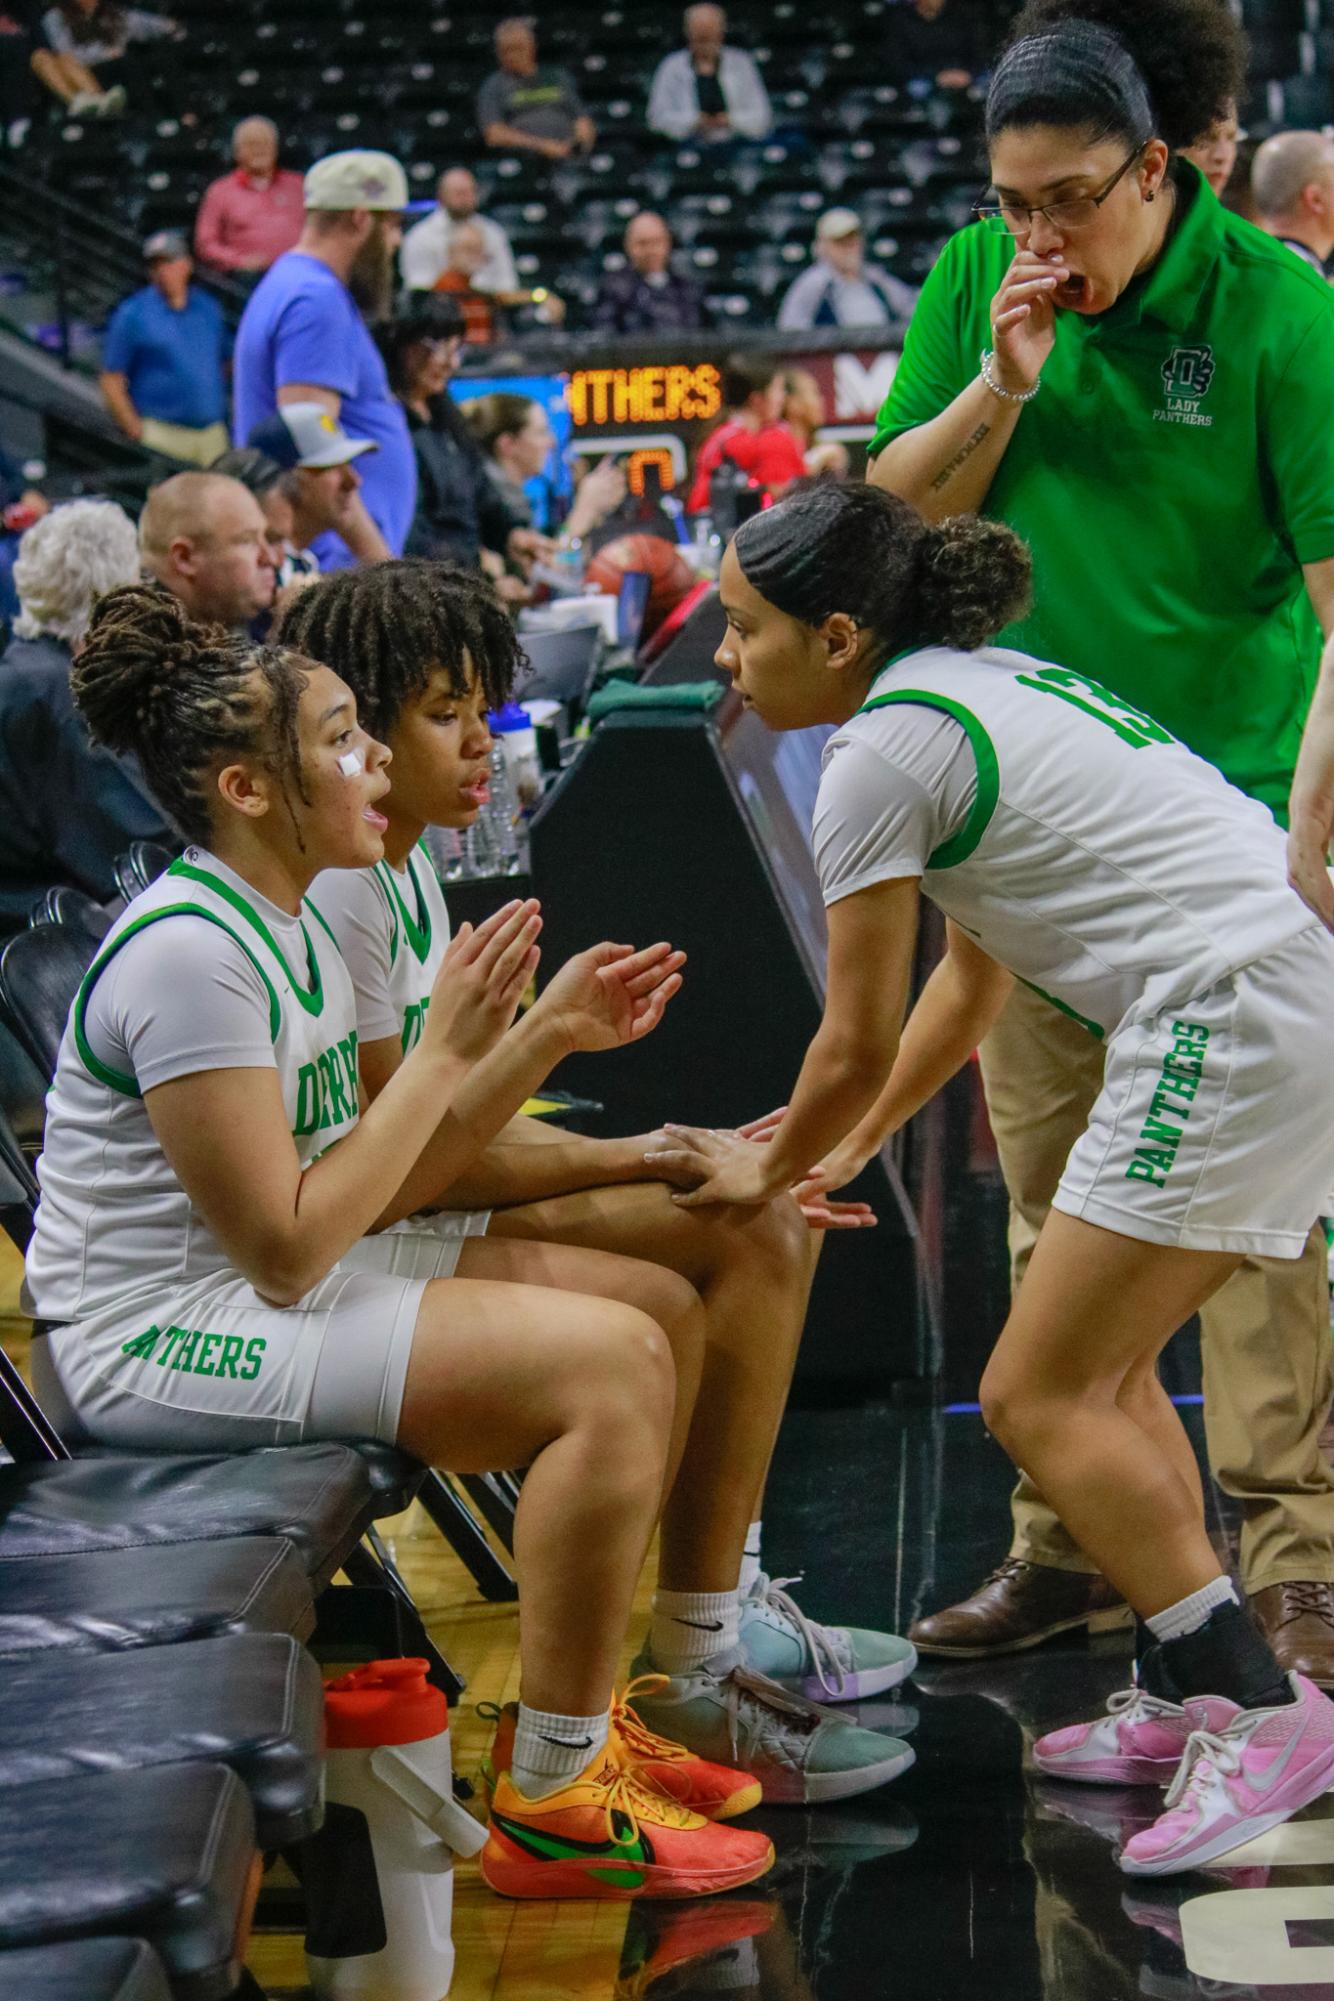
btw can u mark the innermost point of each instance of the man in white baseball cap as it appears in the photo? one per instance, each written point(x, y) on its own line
point(303, 340)
point(839, 288)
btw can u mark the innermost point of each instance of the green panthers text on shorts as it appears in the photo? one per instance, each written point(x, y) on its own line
point(195, 1353)
point(1169, 1108)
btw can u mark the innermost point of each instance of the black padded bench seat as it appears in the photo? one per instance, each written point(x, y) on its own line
point(319, 1497)
point(254, 1702)
point(116, 1599)
point(166, 1854)
point(91, 1969)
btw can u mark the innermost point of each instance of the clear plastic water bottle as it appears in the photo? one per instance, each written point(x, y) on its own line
point(706, 551)
point(493, 845)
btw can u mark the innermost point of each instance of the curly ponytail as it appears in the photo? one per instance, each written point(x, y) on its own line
point(184, 698)
point(1126, 69)
point(973, 577)
point(856, 549)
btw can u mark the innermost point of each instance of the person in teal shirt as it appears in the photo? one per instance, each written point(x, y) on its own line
point(1136, 381)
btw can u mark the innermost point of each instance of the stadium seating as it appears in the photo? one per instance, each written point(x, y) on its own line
point(165, 1855)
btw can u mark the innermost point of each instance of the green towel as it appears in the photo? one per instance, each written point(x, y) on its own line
point(618, 695)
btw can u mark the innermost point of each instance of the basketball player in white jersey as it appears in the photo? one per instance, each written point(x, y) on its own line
point(1071, 843)
point(426, 649)
point(207, 1170)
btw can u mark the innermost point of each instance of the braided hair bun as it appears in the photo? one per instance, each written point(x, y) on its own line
point(140, 657)
point(185, 699)
point(1190, 55)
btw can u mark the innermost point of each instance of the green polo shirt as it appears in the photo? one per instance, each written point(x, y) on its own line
point(1173, 475)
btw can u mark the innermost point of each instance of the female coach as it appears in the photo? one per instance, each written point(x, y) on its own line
point(1133, 379)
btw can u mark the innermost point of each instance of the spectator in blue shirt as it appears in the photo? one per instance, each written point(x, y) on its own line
point(303, 339)
point(163, 359)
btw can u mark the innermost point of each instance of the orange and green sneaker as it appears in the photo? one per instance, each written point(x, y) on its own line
point(609, 1835)
point(718, 1792)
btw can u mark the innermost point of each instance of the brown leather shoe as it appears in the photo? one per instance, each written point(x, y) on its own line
point(1298, 1622)
point(1021, 1605)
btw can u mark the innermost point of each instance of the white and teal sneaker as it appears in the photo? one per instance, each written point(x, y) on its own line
point(800, 1753)
point(823, 1663)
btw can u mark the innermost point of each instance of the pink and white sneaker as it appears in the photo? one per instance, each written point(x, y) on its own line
point(1244, 1771)
point(1139, 1742)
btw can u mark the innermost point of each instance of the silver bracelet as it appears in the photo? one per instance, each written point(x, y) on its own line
point(1006, 395)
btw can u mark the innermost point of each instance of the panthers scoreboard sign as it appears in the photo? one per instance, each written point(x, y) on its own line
point(656, 413)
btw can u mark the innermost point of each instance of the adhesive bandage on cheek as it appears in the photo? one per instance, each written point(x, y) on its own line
point(352, 763)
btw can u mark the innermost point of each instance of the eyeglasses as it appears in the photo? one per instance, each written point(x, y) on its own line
point(1015, 218)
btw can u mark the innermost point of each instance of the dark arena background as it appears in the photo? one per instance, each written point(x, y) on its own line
point(171, 1822)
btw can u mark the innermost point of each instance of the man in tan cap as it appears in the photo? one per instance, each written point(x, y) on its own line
point(303, 338)
point(839, 288)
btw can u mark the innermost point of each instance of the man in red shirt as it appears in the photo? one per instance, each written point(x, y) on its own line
point(750, 434)
point(250, 217)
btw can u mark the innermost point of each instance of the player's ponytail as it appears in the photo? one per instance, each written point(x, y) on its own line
point(184, 699)
point(973, 577)
point(832, 547)
point(1131, 70)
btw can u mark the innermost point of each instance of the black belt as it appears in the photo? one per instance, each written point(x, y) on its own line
point(48, 1326)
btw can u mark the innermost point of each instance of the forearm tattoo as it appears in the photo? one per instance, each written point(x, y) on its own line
point(965, 452)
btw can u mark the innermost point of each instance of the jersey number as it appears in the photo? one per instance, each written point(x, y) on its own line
point(1131, 724)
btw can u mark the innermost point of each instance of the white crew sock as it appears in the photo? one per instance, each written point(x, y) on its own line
point(751, 1565)
point(550, 1750)
point(1189, 1614)
point(689, 1627)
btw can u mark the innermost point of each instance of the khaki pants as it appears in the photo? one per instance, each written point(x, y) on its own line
point(1265, 1335)
point(181, 441)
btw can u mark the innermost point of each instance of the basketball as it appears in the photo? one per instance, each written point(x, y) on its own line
point(668, 568)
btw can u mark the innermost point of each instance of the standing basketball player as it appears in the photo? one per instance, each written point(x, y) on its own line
point(1073, 843)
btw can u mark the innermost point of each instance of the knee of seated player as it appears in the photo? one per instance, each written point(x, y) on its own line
point(630, 1379)
point(775, 1242)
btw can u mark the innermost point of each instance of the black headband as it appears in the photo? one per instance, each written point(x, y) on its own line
point(1079, 73)
point(782, 552)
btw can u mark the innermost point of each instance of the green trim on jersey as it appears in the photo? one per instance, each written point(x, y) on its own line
point(115, 1080)
point(312, 1002)
point(959, 846)
point(417, 930)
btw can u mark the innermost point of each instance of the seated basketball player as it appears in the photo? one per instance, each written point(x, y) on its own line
point(426, 650)
point(1073, 843)
point(207, 1178)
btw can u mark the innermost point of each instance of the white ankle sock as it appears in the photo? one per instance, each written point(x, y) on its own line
point(689, 1627)
point(550, 1749)
point(751, 1565)
point(1189, 1614)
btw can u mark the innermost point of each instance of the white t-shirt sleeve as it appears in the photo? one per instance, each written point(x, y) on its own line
point(353, 906)
point(897, 785)
point(180, 998)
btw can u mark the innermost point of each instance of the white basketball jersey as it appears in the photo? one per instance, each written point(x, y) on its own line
point(418, 937)
point(1101, 861)
point(113, 1219)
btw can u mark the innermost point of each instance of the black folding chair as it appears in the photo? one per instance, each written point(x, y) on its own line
point(63, 904)
point(141, 864)
point(23, 1089)
point(41, 970)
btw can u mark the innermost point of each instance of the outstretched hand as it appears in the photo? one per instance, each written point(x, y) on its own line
point(694, 1159)
point(611, 995)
